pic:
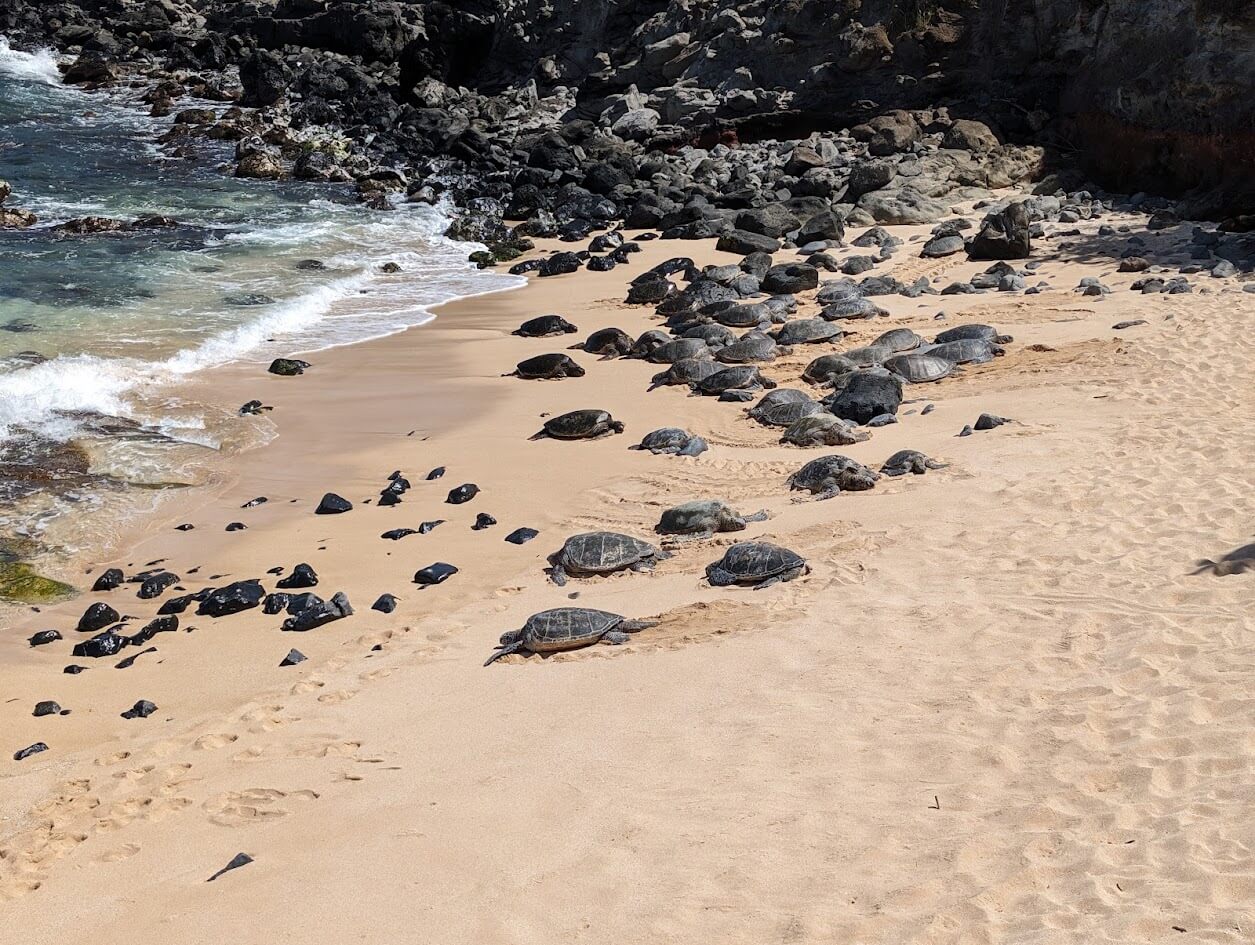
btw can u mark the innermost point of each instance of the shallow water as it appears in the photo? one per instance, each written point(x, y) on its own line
point(96, 331)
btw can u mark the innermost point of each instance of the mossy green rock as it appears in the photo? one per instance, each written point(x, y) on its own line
point(19, 582)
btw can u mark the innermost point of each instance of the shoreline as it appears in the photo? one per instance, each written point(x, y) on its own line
point(981, 635)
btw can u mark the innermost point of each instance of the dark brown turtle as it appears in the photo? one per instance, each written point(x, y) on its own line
point(909, 461)
point(753, 315)
point(1237, 561)
point(673, 440)
point(977, 332)
point(704, 518)
point(715, 335)
point(823, 429)
point(685, 373)
point(898, 340)
point(855, 307)
point(681, 349)
point(827, 367)
point(756, 564)
point(966, 351)
point(608, 342)
point(543, 326)
point(743, 377)
point(783, 407)
point(601, 553)
point(917, 368)
point(568, 628)
point(579, 425)
point(868, 355)
point(754, 346)
point(808, 331)
point(546, 367)
point(828, 476)
point(654, 338)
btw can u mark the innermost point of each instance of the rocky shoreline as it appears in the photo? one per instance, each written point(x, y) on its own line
point(563, 118)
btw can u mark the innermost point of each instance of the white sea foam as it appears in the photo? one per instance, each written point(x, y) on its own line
point(39, 66)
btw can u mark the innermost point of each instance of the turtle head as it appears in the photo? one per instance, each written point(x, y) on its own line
point(574, 370)
point(616, 426)
point(511, 636)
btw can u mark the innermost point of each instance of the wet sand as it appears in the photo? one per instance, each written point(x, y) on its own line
point(1000, 708)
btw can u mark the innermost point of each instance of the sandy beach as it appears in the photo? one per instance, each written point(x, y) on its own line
point(1000, 708)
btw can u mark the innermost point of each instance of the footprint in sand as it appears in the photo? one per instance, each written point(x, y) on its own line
point(209, 742)
point(117, 854)
point(336, 697)
point(241, 808)
point(115, 759)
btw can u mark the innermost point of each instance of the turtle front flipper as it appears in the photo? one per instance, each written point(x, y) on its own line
point(505, 651)
point(557, 574)
point(614, 637)
point(635, 626)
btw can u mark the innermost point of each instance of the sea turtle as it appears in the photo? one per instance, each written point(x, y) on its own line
point(543, 326)
point(823, 429)
point(852, 307)
point(783, 407)
point(715, 335)
point(753, 346)
point(829, 475)
point(916, 368)
point(681, 349)
point(579, 425)
point(704, 518)
point(977, 332)
point(807, 331)
point(758, 564)
point(608, 342)
point(966, 351)
point(568, 628)
point(826, 367)
point(898, 340)
point(742, 377)
point(642, 346)
point(688, 373)
point(546, 367)
point(593, 553)
point(909, 461)
point(674, 441)
point(868, 355)
point(753, 315)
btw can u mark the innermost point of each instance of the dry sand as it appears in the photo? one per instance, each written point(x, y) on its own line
point(999, 709)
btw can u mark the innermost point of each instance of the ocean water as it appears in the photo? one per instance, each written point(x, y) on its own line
point(97, 331)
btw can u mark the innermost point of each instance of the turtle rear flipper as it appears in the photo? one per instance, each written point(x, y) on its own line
point(504, 651)
point(634, 626)
point(1205, 564)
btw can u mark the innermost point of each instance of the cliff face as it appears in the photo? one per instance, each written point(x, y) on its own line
point(1149, 94)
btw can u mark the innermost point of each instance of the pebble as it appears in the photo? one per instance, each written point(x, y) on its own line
point(521, 536)
point(44, 637)
point(29, 750)
point(302, 576)
point(987, 421)
point(141, 710)
point(46, 708)
point(333, 504)
point(96, 617)
point(315, 616)
point(426, 527)
point(73, 670)
point(157, 584)
point(243, 859)
point(130, 660)
point(108, 581)
point(436, 473)
point(108, 643)
point(185, 527)
point(253, 503)
point(236, 526)
point(1118, 326)
point(293, 657)
point(386, 604)
point(436, 573)
point(483, 520)
point(397, 534)
point(463, 493)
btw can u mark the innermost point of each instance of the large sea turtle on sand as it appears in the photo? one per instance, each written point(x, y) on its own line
point(756, 564)
point(823, 429)
point(828, 476)
point(579, 425)
point(567, 628)
point(685, 373)
point(966, 351)
point(608, 342)
point(542, 326)
point(742, 377)
point(978, 332)
point(601, 553)
point(673, 440)
point(909, 461)
point(806, 331)
point(546, 367)
point(703, 518)
point(1235, 562)
point(783, 407)
point(917, 368)
point(827, 367)
point(753, 346)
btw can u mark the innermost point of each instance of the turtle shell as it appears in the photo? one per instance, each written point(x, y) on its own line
point(856, 307)
point(744, 316)
point(648, 342)
point(701, 515)
point(835, 472)
point(681, 349)
point(965, 351)
point(780, 408)
point(565, 628)
point(822, 429)
point(690, 371)
point(603, 552)
point(752, 562)
point(743, 377)
point(827, 367)
point(804, 331)
point(867, 356)
point(547, 366)
point(898, 340)
point(755, 346)
point(919, 368)
point(837, 291)
point(906, 461)
point(666, 440)
point(543, 325)
point(971, 332)
point(608, 341)
point(578, 424)
point(715, 335)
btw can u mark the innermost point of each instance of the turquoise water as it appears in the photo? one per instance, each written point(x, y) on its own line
point(97, 331)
